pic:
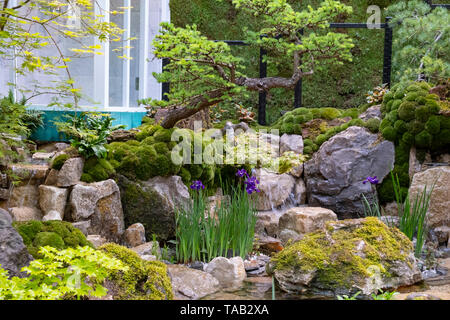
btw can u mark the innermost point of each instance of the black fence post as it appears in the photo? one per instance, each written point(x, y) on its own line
point(165, 86)
point(298, 88)
point(387, 61)
point(262, 94)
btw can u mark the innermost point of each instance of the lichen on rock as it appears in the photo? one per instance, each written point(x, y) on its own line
point(144, 280)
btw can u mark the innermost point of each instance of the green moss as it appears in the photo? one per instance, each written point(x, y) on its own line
point(331, 254)
point(289, 118)
point(185, 175)
point(59, 161)
point(415, 126)
point(422, 113)
point(321, 138)
point(406, 111)
point(356, 122)
point(392, 116)
point(161, 148)
point(196, 171)
point(86, 177)
point(163, 135)
point(144, 280)
point(396, 104)
point(57, 234)
point(307, 150)
point(408, 138)
point(97, 170)
point(329, 113)
point(433, 106)
point(433, 125)
point(424, 86)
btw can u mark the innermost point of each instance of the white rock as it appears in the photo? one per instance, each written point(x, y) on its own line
point(229, 272)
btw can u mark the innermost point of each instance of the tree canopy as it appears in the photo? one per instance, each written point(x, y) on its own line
point(204, 72)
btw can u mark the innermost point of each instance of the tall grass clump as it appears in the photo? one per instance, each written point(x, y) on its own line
point(413, 214)
point(203, 235)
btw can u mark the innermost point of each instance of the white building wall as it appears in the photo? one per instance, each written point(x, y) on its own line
point(100, 76)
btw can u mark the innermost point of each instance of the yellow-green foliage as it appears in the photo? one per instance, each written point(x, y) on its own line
point(57, 234)
point(144, 280)
point(332, 253)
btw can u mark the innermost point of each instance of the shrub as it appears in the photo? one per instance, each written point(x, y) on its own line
point(57, 234)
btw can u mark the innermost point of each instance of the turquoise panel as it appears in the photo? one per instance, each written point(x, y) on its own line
point(49, 133)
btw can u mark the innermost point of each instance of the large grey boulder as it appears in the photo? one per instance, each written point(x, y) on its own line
point(153, 203)
point(438, 214)
point(191, 284)
point(100, 203)
point(335, 174)
point(345, 257)
point(13, 253)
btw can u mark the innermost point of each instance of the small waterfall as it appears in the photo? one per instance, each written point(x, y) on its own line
point(20, 171)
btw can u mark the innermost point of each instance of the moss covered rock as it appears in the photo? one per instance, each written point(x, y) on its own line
point(144, 280)
point(57, 234)
point(348, 256)
point(153, 203)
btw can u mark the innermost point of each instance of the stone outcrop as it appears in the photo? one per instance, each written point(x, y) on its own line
point(229, 272)
point(13, 253)
point(191, 284)
point(134, 235)
point(153, 203)
point(438, 212)
point(291, 142)
point(335, 174)
point(345, 257)
point(100, 203)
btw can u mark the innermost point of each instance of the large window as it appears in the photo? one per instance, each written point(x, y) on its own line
point(107, 81)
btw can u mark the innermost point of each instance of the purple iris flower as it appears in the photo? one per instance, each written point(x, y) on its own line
point(372, 180)
point(241, 173)
point(197, 185)
point(251, 185)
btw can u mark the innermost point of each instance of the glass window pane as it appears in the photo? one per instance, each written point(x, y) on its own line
point(116, 64)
